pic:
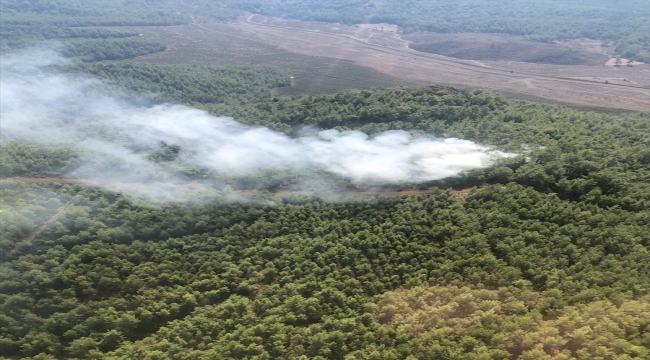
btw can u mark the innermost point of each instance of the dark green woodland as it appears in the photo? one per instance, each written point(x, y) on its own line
point(542, 255)
point(548, 245)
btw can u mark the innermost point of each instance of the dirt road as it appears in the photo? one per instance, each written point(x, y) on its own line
point(60, 212)
point(459, 194)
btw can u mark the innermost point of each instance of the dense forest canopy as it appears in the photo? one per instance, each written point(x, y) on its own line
point(306, 277)
point(109, 13)
point(625, 23)
point(548, 256)
point(544, 254)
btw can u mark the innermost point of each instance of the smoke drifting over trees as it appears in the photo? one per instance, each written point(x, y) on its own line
point(552, 248)
point(115, 137)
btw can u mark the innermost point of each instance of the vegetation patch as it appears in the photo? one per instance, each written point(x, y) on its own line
point(495, 47)
point(189, 84)
point(514, 324)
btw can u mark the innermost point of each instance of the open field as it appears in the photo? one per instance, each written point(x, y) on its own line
point(222, 44)
point(325, 57)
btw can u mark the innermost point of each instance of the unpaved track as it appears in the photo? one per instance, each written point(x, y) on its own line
point(459, 194)
point(54, 218)
point(590, 90)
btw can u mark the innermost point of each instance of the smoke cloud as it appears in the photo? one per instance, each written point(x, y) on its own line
point(47, 106)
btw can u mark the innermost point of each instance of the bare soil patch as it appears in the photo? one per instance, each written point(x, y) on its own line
point(460, 195)
point(502, 47)
point(622, 62)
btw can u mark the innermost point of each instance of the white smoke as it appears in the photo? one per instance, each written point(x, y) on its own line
point(40, 104)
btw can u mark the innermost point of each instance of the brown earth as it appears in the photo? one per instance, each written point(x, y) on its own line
point(621, 62)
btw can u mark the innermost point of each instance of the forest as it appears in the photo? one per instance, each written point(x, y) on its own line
point(541, 255)
point(547, 257)
point(82, 44)
point(74, 13)
point(187, 84)
point(509, 273)
point(624, 23)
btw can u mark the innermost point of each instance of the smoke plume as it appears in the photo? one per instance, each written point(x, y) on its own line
point(47, 106)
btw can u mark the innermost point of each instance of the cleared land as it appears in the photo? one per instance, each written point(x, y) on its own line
point(223, 44)
point(325, 57)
